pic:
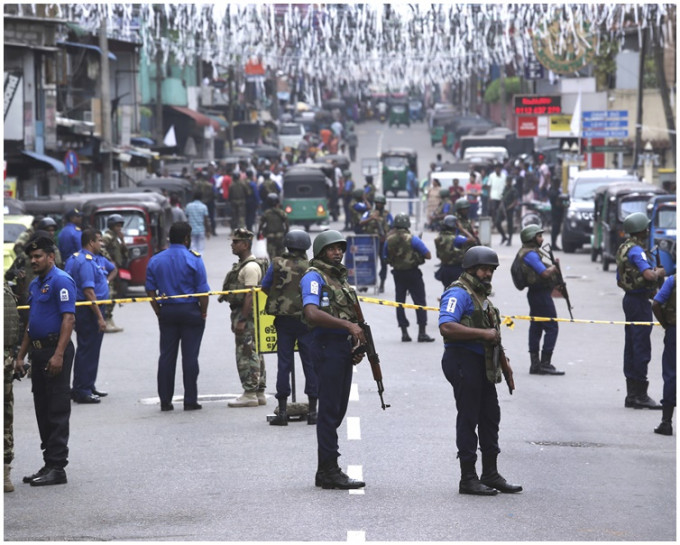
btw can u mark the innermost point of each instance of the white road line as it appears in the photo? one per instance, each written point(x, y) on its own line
point(356, 472)
point(354, 392)
point(353, 428)
point(356, 536)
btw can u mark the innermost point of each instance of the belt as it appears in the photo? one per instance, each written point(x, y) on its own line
point(49, 342)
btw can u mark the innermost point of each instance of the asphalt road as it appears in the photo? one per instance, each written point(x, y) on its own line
point(591, 470)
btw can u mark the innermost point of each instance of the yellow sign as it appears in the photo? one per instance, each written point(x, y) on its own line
point(11, 187)
point(560, 123)
point(265, 332)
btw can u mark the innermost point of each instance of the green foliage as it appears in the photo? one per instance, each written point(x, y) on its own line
point(649, 80)
point(604, 63)
point(513, 86)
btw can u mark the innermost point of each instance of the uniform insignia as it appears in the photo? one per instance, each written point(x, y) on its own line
point(78, 229)
point(451, 305)
point(45, 288)
point(643, 255)
point(314, 287)
point(88, 256)
point(195, 253)
point(63, 294)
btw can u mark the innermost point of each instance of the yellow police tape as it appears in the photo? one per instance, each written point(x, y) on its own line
point(507, 320)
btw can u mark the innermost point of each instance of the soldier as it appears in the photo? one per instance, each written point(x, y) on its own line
point(451, 247)
point(247, 273)
point(541, 279)
point(27, 235)
point(664, 307)
point(369, 190)
point(116, 251)
point(638, 279)
point(405, 253)
point(238, 195)
point(69, 237)
point(444, 209)
point(11, 338)
point(48, 224)
point(282, 286)
point(274, 226)
point(462, 211)
point(378, 222)
point(329, 307)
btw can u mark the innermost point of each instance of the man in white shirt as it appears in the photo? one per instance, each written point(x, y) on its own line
point(496, 185)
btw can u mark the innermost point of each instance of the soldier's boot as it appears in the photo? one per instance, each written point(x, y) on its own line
point(311, 412)
point(246, 399)
point(535, 368)
point(666, 426)
point(9, 487)
point(491, 478)
point(643, 401)
point(423, 337)
point(405, 338)
point(631, 393)
point(281, 419)
point(381, 289)
point(546, 367)
point(331, 477)
point(261, 398)
point(470, 483)
point(111, 326)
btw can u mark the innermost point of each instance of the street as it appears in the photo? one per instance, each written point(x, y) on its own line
point(591, 469)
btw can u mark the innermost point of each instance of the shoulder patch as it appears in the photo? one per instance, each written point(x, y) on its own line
point(314, 287)
point(195, 253)
point(63, 294)
point(88, 256)
point(78, 229)
point(451, 304)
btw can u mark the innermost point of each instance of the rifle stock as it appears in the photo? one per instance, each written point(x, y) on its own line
point(561, 284)
point(371, 354)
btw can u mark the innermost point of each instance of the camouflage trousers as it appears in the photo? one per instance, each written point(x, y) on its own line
point(275, 246)
point(9, 407)
point(249, 363)
point(238, 214)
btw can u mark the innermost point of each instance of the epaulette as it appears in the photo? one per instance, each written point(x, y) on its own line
point(88, 256)
point(195, 253)
point(78, 229)
point(76, 254)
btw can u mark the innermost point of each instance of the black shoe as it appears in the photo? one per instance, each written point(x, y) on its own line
point(499, 483)
point(665, 428)
point(167, 407)
point(88, 399)
point(475, 488)
point(334, 478)
point(99, 393)
point(425, 338)
point(192, 406)
point(52, 476)
point(37, 474)
point(280, 419)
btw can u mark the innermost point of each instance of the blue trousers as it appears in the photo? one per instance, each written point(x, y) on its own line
point(637, 350)
point(179, 322)
point(333, 364)
point(288, 330)
point(668, 364)
point(86, 363)
point(476, 402)
point(541, 304)
point(409, 281)
point(450, 273)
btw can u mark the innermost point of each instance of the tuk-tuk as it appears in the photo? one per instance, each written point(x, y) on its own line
point(56, 206)
point(613, 203)
point(415, 110)
point(440, 119)
point(305, 194)
point(395, 165)
point(662, 229)
point(399, 115)
point(179, 186)
point(342, 160)
point(148, 217)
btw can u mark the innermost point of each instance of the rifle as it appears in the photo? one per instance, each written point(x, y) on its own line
point(499, 357)
point(369, 349)
point(657, 257)
point(561, 284)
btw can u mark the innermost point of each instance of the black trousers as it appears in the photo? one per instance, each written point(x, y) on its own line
point(290, 329)
point(410, 281)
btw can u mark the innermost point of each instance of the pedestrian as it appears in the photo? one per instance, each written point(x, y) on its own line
point(115, 249)
point(199, 219)
point(639, 280)
point(378, 222)
point(11, 340)
point(69, 237)
point(273, 226)
point(358, 207)
point(207, 188)
point(496, 185)
point(246, 273)
point(47, 340)
point(470, 326)
point(176, 209)
point(664, 309)
point(558, 205)
point(329, 307)
point(444, 209)
point(411, 188)
point(450, 247)
point(352, 141)
point(178, 271)
point(369, 189)
point(456, 191)
point(405, 253)
point(541, 278)
point(282, 286)
point(506, 210)
point(266, 188)
point(347, 190)
point(433, 201)
point(473, 191)
point(92, 285)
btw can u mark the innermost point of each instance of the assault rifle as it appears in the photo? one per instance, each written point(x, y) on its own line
point(561, 284)
point(657, 257)
point(369, 350)
point(499, 357)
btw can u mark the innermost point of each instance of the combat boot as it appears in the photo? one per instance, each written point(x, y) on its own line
point(469, 482)
point(423, 337)
point(546, 367)
point(405, 338)
point(111, 327)
point(631, 393)
point(261, 398)
point(9, 487)
point(381, 289)
point(246, 399)
point(643, 401)
point(281, 419)
point(331, 477)
point(535, 364)
point(491, 478)
point(311, 412)
point(666, 426)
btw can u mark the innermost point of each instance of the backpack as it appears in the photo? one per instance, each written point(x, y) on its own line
point(517, 274)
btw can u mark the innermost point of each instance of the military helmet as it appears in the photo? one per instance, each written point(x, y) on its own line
point(449, 222)
point(45, 223)
point(113, 219)
point(402, 221)
point(380, 198)
point(272, 198)
point(297, 240)
point(529, 233)
point(444, 193)
point(635, 222)
point(480, 255)
point(358, 194)
point(369, 179)
point(462, 203)
point(326, 239)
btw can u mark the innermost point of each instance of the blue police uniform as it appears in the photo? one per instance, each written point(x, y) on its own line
point(464, 367)
point(178, 271)
point(668, 360)
point(49, 298)
point(69, 240)
point(541, 304)
point(87, 272)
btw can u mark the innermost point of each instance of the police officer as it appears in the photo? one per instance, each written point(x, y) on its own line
point(638, 279)
point(329, 307)
point(246, 273)
point(664, 309)
point(11, 340)
point(450, 247)
point(282, 286)
point(541, 278)
point(347, 190)
point(405, 252)
point(274, 226)
point(378, 222)
point(48, 341)
point(358, 207)
point(470, 325)
point(116, 251)
point(69, 237)
point(92, 284)
point(369, 189)
point(178, 271)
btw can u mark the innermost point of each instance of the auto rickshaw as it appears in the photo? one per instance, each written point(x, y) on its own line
point(56, 206)
point(305, 194)
point(395, 164)
point(613, 203)
point(415, 110)
point(168, 186)
point(662, 229)
point(440, 119)
point(399, 115)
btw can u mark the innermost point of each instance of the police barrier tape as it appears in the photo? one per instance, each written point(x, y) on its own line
point(507, 320)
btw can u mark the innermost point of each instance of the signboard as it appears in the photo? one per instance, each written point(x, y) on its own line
point(265, 332)
point(598, 124)
point(605, 124)
point(71, 163)
point(527, 126)
point(601, 133)
point(537, 105)
point(361, 260)
point(10, 189)
point(605, 114)
point(604, 149)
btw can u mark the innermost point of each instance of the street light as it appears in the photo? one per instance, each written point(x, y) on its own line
point(649, 159)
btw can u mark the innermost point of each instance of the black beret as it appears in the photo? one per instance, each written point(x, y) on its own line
point(41, 240)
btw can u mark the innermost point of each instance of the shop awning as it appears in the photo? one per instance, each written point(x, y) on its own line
point(88, 46)
point(201, 120)
point(57, 165)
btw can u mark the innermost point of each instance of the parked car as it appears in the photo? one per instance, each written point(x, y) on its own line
point(661, 210)
point(290, 135)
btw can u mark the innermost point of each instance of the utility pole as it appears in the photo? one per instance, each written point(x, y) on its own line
point(105, 94)
point(665, 93)
point(159, 98)
point(638, 123)
point(503, 103)
point(231, 108)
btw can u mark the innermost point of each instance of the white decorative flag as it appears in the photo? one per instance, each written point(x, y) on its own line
point(575, 125)
point(170, 140)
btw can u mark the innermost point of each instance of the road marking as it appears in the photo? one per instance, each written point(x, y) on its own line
point(356, 472)
point(354, 392)
point(357, 536)
point(353, 428)
point(203, 398)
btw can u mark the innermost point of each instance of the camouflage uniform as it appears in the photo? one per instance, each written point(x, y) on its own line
point(115, 251)
point(12, 337)
point(238, 193)
point(274, 226)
